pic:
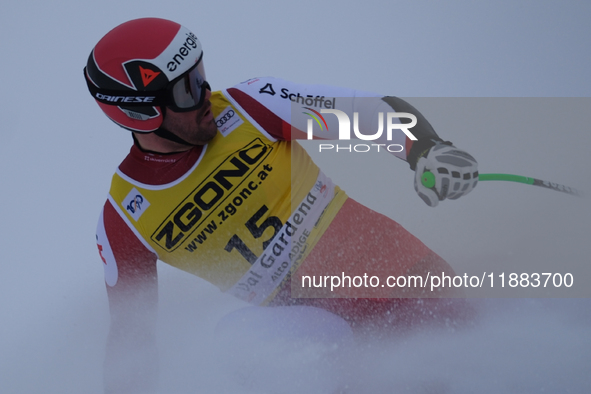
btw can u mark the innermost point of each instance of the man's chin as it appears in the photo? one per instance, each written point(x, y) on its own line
point(207, 132)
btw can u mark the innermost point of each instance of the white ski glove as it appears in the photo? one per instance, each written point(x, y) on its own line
point(454, 174)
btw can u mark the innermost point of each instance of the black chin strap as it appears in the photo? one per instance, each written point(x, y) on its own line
point(137, 143)
point(167, 135)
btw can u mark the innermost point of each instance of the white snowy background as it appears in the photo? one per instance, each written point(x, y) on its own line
point(58, 152)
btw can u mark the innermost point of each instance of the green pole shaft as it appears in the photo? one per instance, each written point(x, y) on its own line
point(428, 180)
point(506, 177)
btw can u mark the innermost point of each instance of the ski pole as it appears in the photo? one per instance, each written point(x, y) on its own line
point(428, 180)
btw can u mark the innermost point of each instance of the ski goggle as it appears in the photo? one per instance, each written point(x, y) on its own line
point(187, 92)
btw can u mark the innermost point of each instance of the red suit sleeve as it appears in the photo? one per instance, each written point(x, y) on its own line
point(131, 358)
point(129, 264)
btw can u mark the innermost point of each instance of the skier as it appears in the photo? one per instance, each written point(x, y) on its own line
point(207, 188)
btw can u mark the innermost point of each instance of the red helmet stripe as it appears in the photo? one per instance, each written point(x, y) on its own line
point(158, 33)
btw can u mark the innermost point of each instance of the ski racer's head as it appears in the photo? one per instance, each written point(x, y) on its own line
point(141, 68)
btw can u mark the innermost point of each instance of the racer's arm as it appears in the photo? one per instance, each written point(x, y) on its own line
point(284, 108)
point(279, 106)
point(131, 361)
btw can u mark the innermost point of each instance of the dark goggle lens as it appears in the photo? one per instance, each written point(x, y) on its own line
point(188, 93)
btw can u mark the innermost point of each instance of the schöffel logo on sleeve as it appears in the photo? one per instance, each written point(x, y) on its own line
point(135, 204)
point(309, 100)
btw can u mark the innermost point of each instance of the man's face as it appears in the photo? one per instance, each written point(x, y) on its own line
point(196, 127)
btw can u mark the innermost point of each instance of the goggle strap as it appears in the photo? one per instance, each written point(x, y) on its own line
point(125, 99)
